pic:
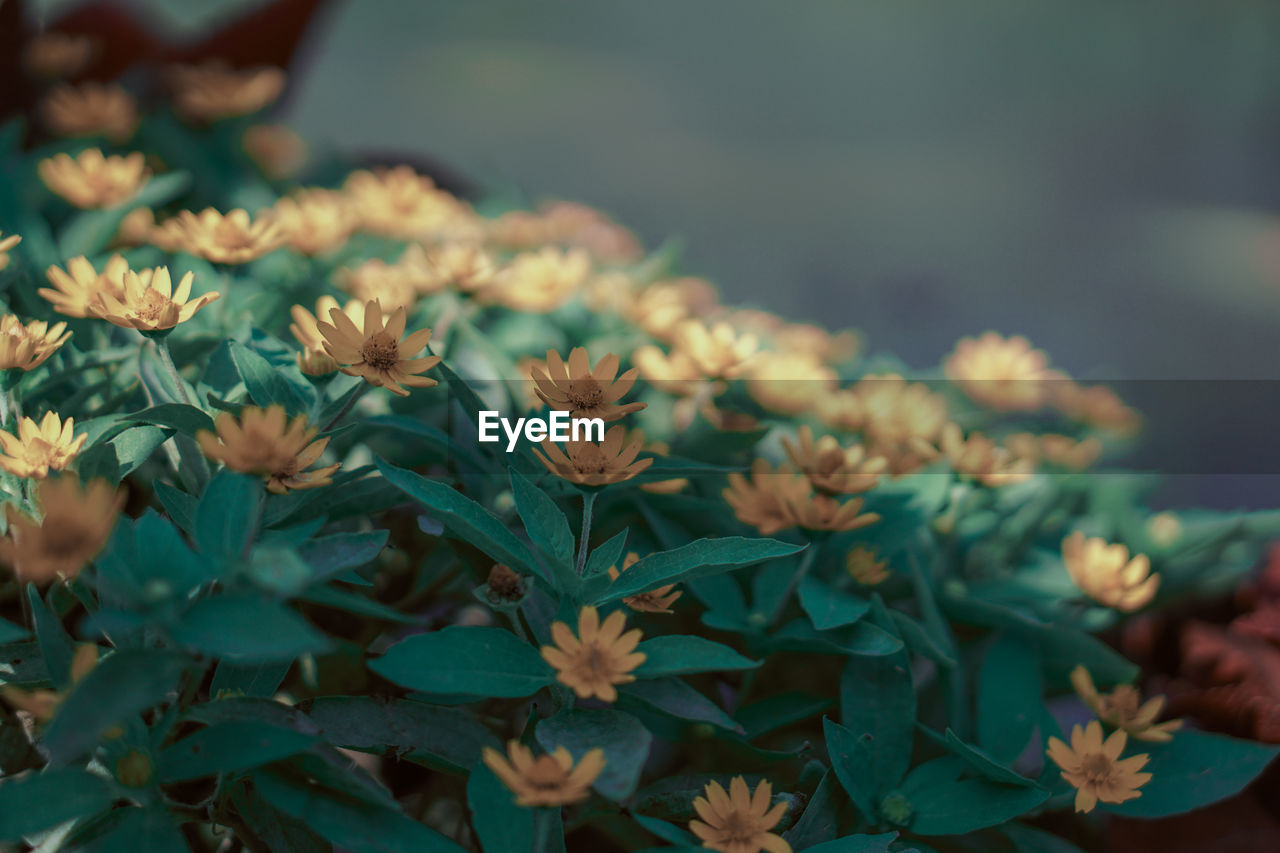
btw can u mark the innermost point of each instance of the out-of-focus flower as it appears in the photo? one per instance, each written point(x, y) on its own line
point(1105, 573)
point(718, 351)
point(761, 499)
point(55, 55)
point(823, 512)
point(1124, 709)
point(393, 285)
point(312, 221)
point(138, 228)
point(40, 448)
point(231, 238)
point(1097, 406)
point(832, 468)
point(539, 282)
point(1062, 451)
point(548, 780)
point(462, 266)
point(1094, 767)
point(738, 821)
point(277, 150)
point(90, 109)
point(790, 383)
point(314, 360)
point(662, 306)
point(43, 704)
point(379, 350)
point(590, 464)
point(1164, 528)
point(598, 658)
point(149, 302)
point(900, 419)
point(584, 392)
point(75, 525)
point(1005, 374)
point(655, 600)
point(673, 373)
point(401, 203)
point(214, 90)
point(817, 342)
point(567, 224)
point(91, 180)
point(7, 243)
point(981, 459)
point(661, 487)
point(75, 289)
point(264, 442)
point(27, 347)
point(865, 567)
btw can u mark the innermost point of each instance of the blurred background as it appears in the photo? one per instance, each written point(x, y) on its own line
point(1100, 175)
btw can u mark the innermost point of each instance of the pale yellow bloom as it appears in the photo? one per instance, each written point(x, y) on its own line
point(277, 150)
point(790, 383)
point(379, 350)
point(1097, 406)
point(90, 109)
point(541, 281)
point(600, 657)
point(40, 448)
point(575, 387)
point(588, 463)
point(1005, 374)
point(832, 468)
point(314, 360)
point(75, 290)
point(7, 243)
point(150, 303)
point(981, 459)
point(865, 567)
point(215, 90)
point(1106, 574)
point(91, 180)
point(76, 522)
point(401, 203)
point(548, 780)
point(718, 351)
point(738, 821)
point(1094, 767)
point(662, 306)
point(265, 442)
point(27, 347)
point(54, 55)
point(1124, 709)
point(231, 238)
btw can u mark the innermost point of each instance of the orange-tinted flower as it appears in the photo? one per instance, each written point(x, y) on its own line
point(232, 238)
point(277, 150)
point(137, 229)
point(27, 347)
point(816, 342)
point(832, 468)
point(657, 600)
point(548, 780)
point(673, 373)
point(825, 513)
point(598, 658)
point(314, 359)
point(92, 180)
point(54, 55)
point(312, 221)
point(379, 351)
point(464, 266)
point(900, 419)
point(738, 821)
point(979, 458)
point(392, 285)
point(75, 525)
point(583, 392)
point(1094, 767)
point(262, 441)
point(717, 351)
point(662, 306)
point(90, 109)
point(75, 289)
point(7, 243)
point(865, 568)
point(1005, 374)
point(215, 91)
point(790, 383)
point(590, 464)
point(1124, 709)
point(1097, 406)
point(1105, 573)
point(541, 281)
point(149, 302)
point(401, 203)
point(1062, 451)
point(40, 448)
point(761, 499)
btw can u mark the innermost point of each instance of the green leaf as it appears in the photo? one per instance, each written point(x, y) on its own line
point(330, 555)
point(966, 805)
point(819, 822)
point(178, 505)
point(856, 844)
point(828, 607)
point(187, 420)
point(851, 761)
point(1193, 770)
point(230, 747)
point(148, 828)
point(463, 659)
point(147, 561)
point(780, 709)
point(682, 654)
point(227, 515)
point(607, 555)
point(10, 632)
point(249, 679)
point(1028, 839)
point(114, 692)
point(56, 646)
point(41, 801)
point(445, 738)
point(340, 599)
point(983, 763)
point(878, 707)
point(546, 526)
point(696, 559)
point(466, 519)
point(674, 698)
point(248, 628)
point(861, 638)
point(502, 826)
point(272, 384)
point(623, 738)
point(1010, 688)
point(122, 455)
point(668, 831)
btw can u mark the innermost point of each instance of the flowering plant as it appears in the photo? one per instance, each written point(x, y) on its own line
point(263, 586)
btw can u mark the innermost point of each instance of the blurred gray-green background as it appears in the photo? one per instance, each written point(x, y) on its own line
point(1100, 175)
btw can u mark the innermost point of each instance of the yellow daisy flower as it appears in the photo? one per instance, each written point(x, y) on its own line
point(548, 780)
point(590, 464)
point(583, 392)
point(539, 282)
point(7, 243)
point(40, 448)
point(261, 442)
point(1004, 374)
point(75, 289)
point(27, 347)
point(215, 90)
point(1124, 709)
point(379, 351)
point(834, 469)
point(91, 180)
point(738, 821)
point(232, 238)
point(1094, 767)
point(312, 221)
point(277, 150)
point(314, 360)
point(598, 658)
point(1105, 573)
point(75, 525)
point(401, 203)
point(150, 303)
point(90, 109)
point(865, 567)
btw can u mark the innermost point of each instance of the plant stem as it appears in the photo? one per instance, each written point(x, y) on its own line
point(588, 504)
point(166, 358)
point(806, 563)
point(347, 407)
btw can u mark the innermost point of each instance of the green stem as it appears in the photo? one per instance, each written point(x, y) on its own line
point(544, 829)
point(347, 407)
point(588, 504)
point(166, 359)
point(806, 562)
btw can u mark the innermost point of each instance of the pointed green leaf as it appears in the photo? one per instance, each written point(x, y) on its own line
point(696, 559)
point(682, 654)
point(463, 659)
point(623, 738)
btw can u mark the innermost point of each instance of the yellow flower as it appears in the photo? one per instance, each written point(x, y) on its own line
point(816, 342)
point(1106, 574)
point(717, 351)
point(393, 285)
point(655, 600)
point(598, 658)
point(138, 228)
point(823, 512)
point(979, 458)
point(1096, 406)
point(380, 351)
point(1124, 709)
point(583, 392)
point(464, 266)
point(761, 499)
point(215, 90)
point(738, 821)
point(401, 203)
point(790, 383)
point(275, 149)
point(1094, 767)
point(27, 347)
point(1164, 528)
point(865, 568)
point(661, 487)
point(43, 704)
point(673, 373)
point(900, 419)
point(1060, 450)
point(90, 109)
point(150, 303)
point(541, 281)
point(314, 360)
point(75, 289)
point(260, 442)
point(312, 221)
point(225, 239)
point(1005, 374)
point(7, 243)
point(53, 54)
point(92, 180)
point(548, 780)
point(662, 306)
point(832, 468)
point(40, 448)
point(76, 524)
point(590, 464)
